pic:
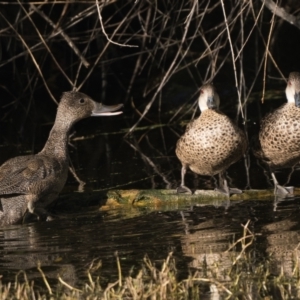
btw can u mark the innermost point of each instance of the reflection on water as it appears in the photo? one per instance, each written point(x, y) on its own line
point(283, 238)
point(198, 235)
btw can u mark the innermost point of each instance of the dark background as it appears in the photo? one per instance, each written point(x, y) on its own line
point(180, 45)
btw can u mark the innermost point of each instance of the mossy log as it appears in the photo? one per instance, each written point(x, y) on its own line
point(155, 199)
point(144, 198)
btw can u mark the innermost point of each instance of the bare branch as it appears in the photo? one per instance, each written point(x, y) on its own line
point(281, 12)
point(104, 32)
point(63, 34)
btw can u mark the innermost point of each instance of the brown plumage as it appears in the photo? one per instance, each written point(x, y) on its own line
point(212, 142)
point(279, 134)
point(33, 181)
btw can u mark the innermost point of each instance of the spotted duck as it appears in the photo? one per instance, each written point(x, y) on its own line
point(279, 134)
point(32, 182)
point(210, 143)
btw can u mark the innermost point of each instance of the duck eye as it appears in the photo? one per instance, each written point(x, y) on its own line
point(81, 101)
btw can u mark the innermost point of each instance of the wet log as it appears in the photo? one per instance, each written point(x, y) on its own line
point(135, 201)
point(144, 198)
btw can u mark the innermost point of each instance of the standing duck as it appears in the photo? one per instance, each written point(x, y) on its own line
point(31, 182)
point(210, 143)
point(279, 134)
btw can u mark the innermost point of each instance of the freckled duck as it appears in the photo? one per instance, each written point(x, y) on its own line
point(32, 182)
point(210, 143)
point(279, 134)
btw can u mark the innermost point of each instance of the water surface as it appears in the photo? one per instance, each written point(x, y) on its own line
point(198, 236)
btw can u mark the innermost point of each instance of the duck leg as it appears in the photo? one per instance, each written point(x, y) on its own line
point(223, 186)
point(280, 190)
point(182, 187)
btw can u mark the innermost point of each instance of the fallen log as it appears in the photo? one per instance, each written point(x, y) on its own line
point(155, 199)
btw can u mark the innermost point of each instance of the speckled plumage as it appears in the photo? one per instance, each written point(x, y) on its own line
point(212, 142)
point(279, 134)
point(33, 181)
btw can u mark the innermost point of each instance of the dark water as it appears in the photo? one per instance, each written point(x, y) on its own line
point(197, 235)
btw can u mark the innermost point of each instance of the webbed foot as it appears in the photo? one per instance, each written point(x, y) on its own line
point(284, 192)
point(228, 191)
point(224, 188)
point(44, 215)
point(233, 191)
point(51, 218)
point(184, 189)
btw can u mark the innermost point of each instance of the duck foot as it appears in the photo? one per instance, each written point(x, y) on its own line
point(235, 191)
point(47, 217)
point(228, 192)
point(41, 217)
point(51, 218)
point(224, 188)
point(184, 190)
point(44, 215)
point(284, 192)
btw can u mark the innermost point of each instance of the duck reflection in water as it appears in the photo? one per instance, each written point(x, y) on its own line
point(32, 182)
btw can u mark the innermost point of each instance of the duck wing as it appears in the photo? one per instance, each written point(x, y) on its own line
point(28, 174)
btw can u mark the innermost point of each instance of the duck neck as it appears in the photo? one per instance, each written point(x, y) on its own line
point(57, 143)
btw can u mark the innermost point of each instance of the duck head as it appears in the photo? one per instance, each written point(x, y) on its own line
point(292, 90)
point(209, 98)
point(75, 106)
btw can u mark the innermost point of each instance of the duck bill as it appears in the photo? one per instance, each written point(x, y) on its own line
point(104, 110)
point(297, 99)
point(211, 103)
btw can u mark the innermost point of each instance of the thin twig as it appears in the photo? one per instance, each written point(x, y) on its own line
point(63, 34)
point(266, 57)
point(103, 29)
point(44, 278)
point(45, 44)
point(233, 60)
point(68, 286)
point(170, 69)
point(32, 57)
point(281, 12)
point(119, 268)
point(105, 48)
